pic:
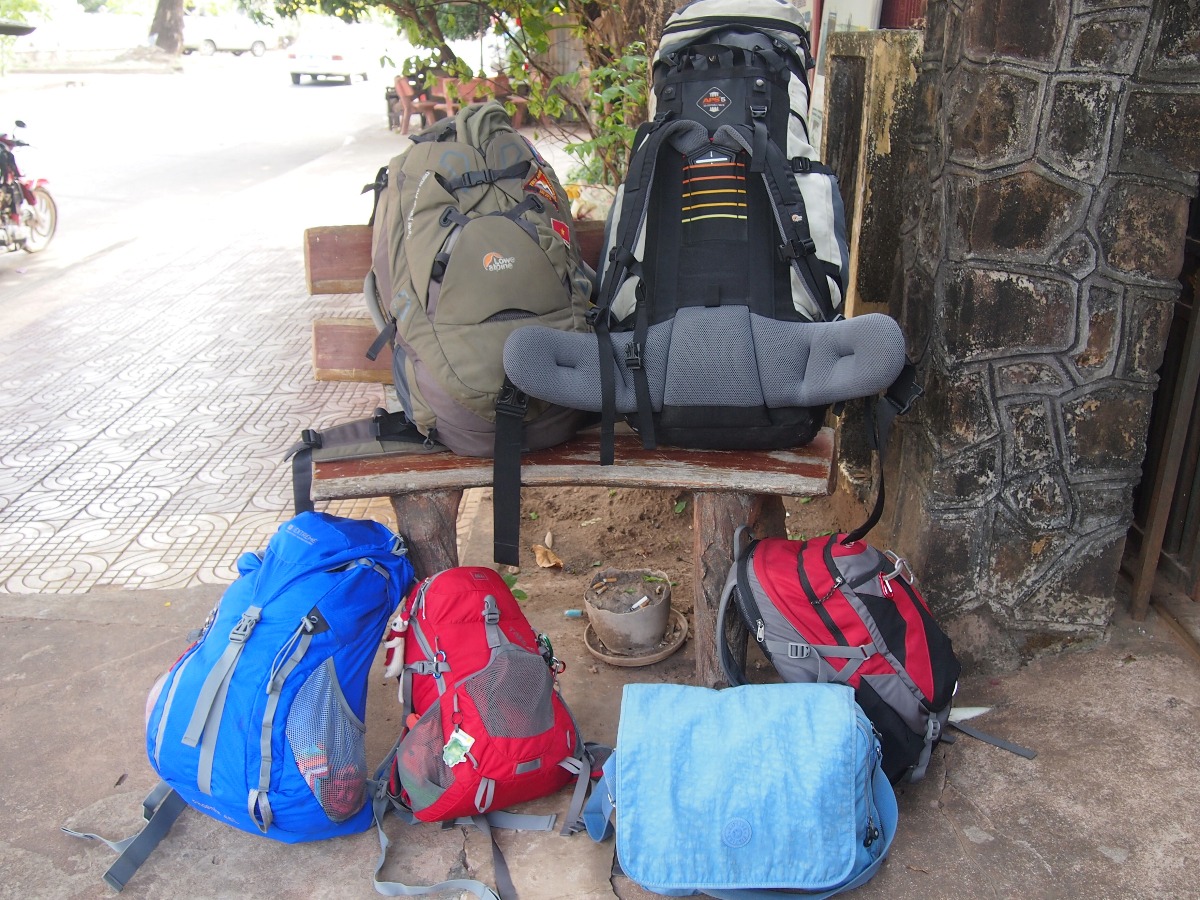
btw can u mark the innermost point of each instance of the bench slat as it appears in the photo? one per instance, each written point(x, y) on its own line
point(337, 258)
point(804, 471)
point(339, 352)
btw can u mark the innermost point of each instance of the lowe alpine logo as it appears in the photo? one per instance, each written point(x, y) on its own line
point(713, 102)
point(494, 262)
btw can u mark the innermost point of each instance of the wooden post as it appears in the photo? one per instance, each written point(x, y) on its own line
point(716, 516)
point(1163, 489)
point(429, 523)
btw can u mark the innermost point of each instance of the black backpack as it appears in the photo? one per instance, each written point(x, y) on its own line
point(719, 321)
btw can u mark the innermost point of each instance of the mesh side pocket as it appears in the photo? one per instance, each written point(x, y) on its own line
point(327, 740)
point(513, 693)
point(419, 763)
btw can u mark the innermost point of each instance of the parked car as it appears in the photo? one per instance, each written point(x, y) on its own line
point(234, 34)
point(341, 53)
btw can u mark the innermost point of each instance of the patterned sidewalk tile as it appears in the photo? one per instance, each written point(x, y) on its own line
point(144, 444)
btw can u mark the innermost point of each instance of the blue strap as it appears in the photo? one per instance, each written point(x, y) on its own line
point(597, 812)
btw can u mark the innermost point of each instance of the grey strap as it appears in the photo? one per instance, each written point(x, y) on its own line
point(258, 805)
point(484, 793)
point(166, 710)
point(491, 622)
point(504, 883)
point(208, 743)
point(160, 809)
point(380, 806)
point(220, 674)
point(794, 650)
point(995, 741)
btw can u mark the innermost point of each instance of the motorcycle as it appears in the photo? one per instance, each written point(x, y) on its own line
point(28, 213)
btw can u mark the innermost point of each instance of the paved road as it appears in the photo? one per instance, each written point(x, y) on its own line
point(132, 154)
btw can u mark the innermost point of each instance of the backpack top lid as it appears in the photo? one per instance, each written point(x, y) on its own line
point(695, 21)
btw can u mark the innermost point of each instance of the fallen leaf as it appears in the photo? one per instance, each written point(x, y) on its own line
point(549, 542)
point(546, 558)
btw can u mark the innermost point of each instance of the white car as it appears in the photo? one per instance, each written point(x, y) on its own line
point(234, 34)
point(335, 55)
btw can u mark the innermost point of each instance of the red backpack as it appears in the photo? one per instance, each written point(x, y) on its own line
point(829, 609)
point(484, 726)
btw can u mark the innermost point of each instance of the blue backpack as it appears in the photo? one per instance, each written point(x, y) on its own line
point(260, 723)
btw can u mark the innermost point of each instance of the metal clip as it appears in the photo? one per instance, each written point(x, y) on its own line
point(900, 568)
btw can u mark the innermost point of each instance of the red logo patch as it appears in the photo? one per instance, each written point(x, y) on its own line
point(561, 229)
point(539, 184)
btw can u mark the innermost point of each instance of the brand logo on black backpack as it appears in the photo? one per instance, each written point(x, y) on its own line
point(714, 102)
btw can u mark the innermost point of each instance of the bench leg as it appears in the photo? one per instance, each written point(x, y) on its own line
point(429, 523)
point(715, 518)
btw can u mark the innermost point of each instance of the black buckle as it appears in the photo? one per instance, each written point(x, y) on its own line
point(445, 220)
point(633, 356)
point(311, 438)
point(801, 164)
point(908, 394)
point(795, 248)
point(758, 112)
point(476, 178)
point(511, 400)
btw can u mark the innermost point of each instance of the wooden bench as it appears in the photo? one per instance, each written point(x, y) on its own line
point(729, 488)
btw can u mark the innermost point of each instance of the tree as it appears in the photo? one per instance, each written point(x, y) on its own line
point(167, 26)
point(605, 100)
point(16, 12)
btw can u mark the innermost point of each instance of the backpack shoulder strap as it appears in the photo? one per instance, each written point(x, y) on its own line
point(160, 809)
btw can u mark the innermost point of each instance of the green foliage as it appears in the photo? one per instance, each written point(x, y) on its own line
point(517, 593)
point(619, 95)
point(15, 11)
point(598, 106)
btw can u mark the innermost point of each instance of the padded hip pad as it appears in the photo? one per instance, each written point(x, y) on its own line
point(715, 357)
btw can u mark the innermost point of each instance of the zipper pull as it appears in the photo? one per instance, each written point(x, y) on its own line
point(837, 583)
point(885, 586)
point(872, 833)
point(760, 634)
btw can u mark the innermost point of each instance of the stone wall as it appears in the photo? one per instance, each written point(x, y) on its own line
point(1050, 163)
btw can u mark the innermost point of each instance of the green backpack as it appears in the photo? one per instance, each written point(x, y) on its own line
point(472, 238)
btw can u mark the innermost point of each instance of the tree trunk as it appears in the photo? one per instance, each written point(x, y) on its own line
point(167, 27)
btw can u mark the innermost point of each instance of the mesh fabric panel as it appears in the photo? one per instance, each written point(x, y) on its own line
point(327, 743)
point(712, 360)
point(513, 694)
point(419, 761)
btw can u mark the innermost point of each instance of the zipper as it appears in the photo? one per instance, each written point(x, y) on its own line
point(872, 832)
point(818, 603)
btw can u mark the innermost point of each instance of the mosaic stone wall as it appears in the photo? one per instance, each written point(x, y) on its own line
point(1052, 156)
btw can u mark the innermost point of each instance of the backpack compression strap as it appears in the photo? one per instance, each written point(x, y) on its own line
point(624, 264)
point(791, 215)
point(382, 427)
point(880, 413)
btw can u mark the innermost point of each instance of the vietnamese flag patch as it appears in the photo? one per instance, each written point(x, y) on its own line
point(561, 229)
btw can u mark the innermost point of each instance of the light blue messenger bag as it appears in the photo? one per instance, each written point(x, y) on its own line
point(746, 792)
